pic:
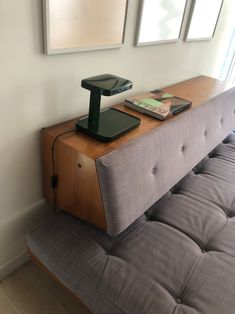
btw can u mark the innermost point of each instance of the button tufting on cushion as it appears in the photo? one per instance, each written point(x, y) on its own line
point(154, 170)
point(145, 267)
point(182, 148)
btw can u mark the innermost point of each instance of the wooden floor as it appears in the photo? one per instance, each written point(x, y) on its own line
point(30, 291)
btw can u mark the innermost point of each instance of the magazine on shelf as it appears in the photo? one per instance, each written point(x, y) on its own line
point(158, 104)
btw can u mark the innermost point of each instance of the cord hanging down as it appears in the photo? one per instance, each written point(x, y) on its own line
point(54, 177)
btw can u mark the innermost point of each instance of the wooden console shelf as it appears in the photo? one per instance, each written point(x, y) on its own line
point(78, 189)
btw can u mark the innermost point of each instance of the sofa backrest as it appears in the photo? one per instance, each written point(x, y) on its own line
point(137, 174)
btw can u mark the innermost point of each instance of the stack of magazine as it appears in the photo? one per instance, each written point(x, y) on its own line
point(158, 104)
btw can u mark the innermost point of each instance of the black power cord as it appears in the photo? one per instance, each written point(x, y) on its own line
point(54, 177)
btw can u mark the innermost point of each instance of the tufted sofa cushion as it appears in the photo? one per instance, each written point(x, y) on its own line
point(179, 257)
point(137, 174)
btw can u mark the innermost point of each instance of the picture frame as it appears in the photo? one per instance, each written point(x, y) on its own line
point(203, 19)
point(78, 25)
point(159, 21)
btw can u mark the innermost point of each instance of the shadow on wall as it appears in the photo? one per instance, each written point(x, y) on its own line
point(228, 67)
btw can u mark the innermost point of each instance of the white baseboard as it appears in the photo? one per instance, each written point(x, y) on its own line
point(13, 231)
point(13, 264)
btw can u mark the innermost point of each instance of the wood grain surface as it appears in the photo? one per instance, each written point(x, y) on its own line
point(78, 190)
point(198, 90)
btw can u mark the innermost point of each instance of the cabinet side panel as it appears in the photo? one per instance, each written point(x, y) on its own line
point(78, 190)
point(87, 196)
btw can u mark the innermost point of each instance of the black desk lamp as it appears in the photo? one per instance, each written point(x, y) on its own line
point(108, 124)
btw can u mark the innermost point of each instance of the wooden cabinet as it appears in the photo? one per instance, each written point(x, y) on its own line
point(78, 190)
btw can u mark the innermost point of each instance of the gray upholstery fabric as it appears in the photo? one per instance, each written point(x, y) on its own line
point(178, 257)
point(136, 175)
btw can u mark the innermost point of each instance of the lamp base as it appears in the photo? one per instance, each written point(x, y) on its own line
point(111, 125)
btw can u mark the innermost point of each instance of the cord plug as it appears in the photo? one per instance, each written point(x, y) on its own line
point(54, 181)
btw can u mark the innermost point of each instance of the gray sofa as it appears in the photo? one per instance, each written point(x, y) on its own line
point(170, 241)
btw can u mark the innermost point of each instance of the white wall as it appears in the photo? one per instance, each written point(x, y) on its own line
point(37, 90)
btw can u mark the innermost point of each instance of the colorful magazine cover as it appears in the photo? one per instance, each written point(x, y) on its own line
point(158, 104)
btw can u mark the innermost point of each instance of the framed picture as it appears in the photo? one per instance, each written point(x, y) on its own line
point(159, 21)
point(78, 25)
point(203, 19)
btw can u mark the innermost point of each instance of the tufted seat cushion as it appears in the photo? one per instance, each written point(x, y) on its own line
point(179, 257)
